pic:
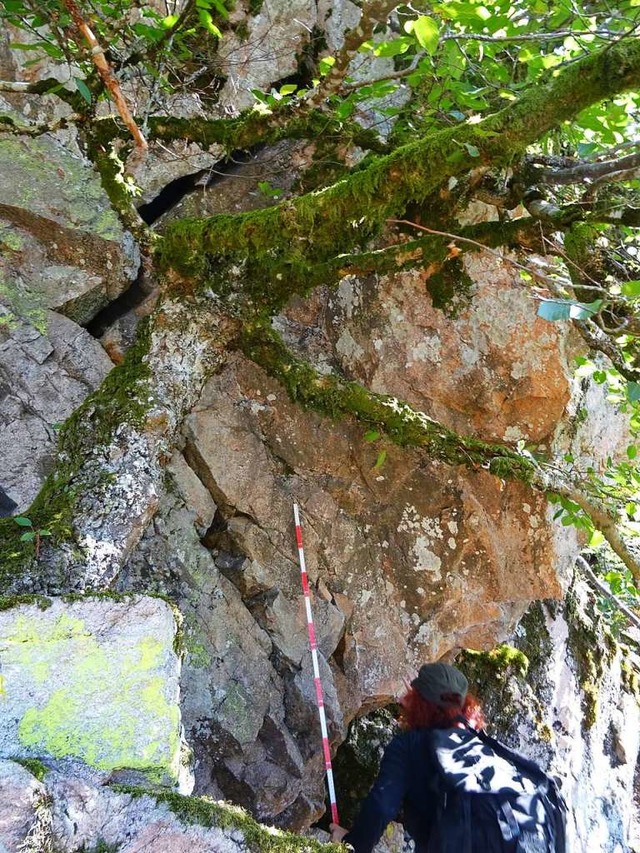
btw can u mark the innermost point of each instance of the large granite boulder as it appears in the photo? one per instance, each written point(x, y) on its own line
point(93, 679)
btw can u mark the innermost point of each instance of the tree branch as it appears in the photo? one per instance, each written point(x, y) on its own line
point(593, 579)
point(108, 77)
point(407, 427)
point(9, 125)
point(331, 221)
point(589, 171)
point(374, 12)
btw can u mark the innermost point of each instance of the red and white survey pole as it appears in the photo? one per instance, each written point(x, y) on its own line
point(316, 668)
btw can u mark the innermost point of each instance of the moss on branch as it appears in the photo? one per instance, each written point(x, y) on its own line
point(405, 426)
point(251, 128)
point(347, 214)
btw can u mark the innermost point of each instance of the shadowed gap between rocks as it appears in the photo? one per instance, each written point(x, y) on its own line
point(173, 193)
point(357, 760)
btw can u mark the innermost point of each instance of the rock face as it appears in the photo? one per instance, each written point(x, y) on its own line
point(63, 241)
point(93, 680)
point(74, 809)
point(48, 365)
point(494, 370)
point(408, 559)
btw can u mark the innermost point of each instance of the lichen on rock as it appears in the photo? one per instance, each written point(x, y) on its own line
point(93, 679)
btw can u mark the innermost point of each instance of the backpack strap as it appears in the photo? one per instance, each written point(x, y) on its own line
point(511, 830)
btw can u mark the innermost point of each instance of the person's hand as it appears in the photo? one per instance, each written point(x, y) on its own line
point(337, 832)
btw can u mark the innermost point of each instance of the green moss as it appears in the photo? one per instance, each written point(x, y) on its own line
point(591, 649)
point(34, 766)
point(499, 663)
point(498, 678)
point(120, 189)
point(257, 838)
point(122, 398)
point(10, 239)
point(22, 305)
point(101, 846)
point(7, 602)
point(630, 675)
point(450, 287)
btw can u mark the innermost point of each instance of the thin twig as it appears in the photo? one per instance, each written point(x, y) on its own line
point(588, 572)
point(104, 69)
point(545, 279)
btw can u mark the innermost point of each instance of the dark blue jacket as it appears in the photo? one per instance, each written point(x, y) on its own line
point(407, 782)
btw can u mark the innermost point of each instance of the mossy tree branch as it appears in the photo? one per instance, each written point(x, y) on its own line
point(353, 210)
point(251, 128)
point(336, 398)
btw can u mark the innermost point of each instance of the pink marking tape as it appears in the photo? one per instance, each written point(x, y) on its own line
point(316, 668)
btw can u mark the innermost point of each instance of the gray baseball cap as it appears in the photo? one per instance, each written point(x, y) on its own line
point(442, 684)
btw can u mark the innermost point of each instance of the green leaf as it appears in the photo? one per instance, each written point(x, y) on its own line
point(382, 457)
point(631, 288)
point(44, 532)
point(267, 190)
point(23, 522)
point(395, 47)
point(326, 64)
point(84, 90)
point(596, 539)
point(220, 8)
point(288, 89)
point(632, 451)
point(471, 149)
point(371, 435)
point(633, 391)
point(427, 32)
point(29, 536)
point(566, 309)
point(207, 22)
point(554, 310)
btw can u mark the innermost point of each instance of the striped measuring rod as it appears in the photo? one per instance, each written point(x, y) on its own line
point(316, 668)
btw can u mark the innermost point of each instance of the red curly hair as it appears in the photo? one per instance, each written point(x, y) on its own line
point(419, 713)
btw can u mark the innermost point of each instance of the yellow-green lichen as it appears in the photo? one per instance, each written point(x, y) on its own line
point(115, 707)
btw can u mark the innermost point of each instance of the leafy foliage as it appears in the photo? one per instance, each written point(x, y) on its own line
point(444, 68)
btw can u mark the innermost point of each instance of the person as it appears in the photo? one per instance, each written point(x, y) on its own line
point(407, 779)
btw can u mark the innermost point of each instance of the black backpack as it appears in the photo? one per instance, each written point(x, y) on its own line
point(492, 799)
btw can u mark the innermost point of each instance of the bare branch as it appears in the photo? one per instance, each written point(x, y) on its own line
point(392, 75)
point(104, 69)
point(591, 576)
point(532, 271)
point(590, 171)
point(605, 34)
point(374, 12)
